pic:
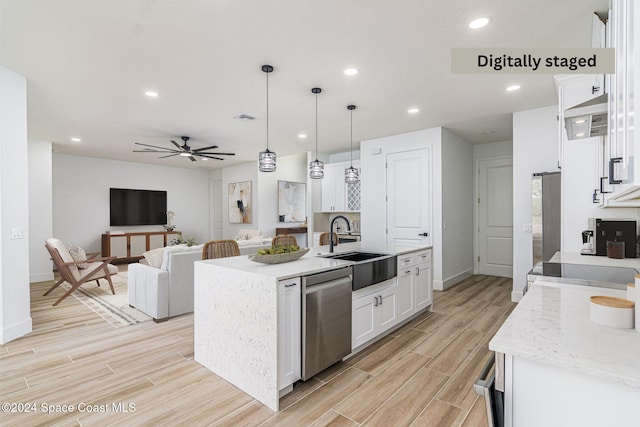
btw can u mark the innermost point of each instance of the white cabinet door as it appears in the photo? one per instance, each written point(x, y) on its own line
point(289, 324)
point(423, 285)
point(137, 244)
point(387, 308)
point(364, 319)
point(156, 241)
point(408, 198)
point(118, 246)
point(406, 298)
point(337, 196)
point(328, 189)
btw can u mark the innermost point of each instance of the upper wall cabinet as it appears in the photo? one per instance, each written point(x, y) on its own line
point(337, 196)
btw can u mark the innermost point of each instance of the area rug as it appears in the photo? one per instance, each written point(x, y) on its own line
point(114, 309)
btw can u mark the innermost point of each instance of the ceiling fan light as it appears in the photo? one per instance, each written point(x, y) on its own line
point(316, 169)
point(267, 161)
point(351, 175)
point(185, 154)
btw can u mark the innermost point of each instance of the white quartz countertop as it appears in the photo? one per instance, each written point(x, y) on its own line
point(551, 325)
point(310, 263)
point(577, 258)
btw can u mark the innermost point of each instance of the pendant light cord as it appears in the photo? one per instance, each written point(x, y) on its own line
point(267, 111)
point(316, 127)
point(351, 111)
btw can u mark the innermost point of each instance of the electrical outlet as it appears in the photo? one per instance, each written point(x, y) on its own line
point(528, 228)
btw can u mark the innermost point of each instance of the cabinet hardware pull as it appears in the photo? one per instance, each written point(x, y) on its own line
point(407, 272)
point(290, 285)
point(417, 271)
point(380, 296)
point(612, 162)
point(602, 191)
point(376, 304)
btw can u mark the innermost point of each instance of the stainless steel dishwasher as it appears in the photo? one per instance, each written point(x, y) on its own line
point(326, 320)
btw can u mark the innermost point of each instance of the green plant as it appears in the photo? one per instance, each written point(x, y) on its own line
point(181, 241)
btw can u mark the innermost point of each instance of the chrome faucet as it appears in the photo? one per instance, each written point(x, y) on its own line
point(331, 230)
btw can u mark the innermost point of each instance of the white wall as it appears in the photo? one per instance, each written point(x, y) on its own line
point(40, 209)
point(578, 183)
point(15, 319)
point(264, 189)
point(535, 149)
point(457, 208)
point(493, 149)
point(81, 197)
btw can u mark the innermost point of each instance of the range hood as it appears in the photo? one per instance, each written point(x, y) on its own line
point(587, 119)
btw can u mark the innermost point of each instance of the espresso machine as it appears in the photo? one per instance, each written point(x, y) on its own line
point(601, 231)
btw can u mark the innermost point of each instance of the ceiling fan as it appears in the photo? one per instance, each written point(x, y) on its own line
point(183, 150)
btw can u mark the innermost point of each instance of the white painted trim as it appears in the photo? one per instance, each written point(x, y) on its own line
point(40, 277)
point(447, 283)
point(516, 296)
point(16, 330)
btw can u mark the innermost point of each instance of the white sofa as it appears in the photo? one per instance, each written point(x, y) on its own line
point(166, 291)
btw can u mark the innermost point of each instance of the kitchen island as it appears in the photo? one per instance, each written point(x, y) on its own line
point(560, 368)
point(247, 318)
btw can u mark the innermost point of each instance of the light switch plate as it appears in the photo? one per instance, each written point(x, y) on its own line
point(17, 233)
point(528, 228)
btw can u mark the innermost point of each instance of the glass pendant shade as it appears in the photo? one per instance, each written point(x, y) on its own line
point(316, 169)
point(267, 158)
point(267, 161)
point(351, 175)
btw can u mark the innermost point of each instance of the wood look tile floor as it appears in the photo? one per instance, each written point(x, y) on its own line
point(419, 375)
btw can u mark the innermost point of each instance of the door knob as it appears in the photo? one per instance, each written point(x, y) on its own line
point(423, 234)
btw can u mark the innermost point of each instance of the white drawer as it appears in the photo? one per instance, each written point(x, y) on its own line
point(422, 256)
point(406, 260)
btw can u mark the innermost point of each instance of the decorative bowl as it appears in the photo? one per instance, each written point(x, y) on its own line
point(279, 258)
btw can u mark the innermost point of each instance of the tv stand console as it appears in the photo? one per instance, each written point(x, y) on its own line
point(129, 247)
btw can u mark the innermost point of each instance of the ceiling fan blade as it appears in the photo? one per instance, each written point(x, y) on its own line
point(204, 148)
point(219, 154)
point(209, 157)
point(170, 155)
point(193, 159)
point(154, 146)
point(177, 145)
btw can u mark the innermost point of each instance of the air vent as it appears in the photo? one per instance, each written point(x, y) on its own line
point(244, 116)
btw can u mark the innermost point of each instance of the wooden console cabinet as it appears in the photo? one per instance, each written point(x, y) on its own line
point(129, 247)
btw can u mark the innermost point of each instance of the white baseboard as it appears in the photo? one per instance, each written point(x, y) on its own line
point(16, 330)
point(41, 277)
point(439, 285)
point(516, 296)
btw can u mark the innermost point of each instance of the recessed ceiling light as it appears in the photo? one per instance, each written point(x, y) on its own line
point(412, 110)
point(76, 139)
point(151, 93)
point(512, 88)
point(302, 135)
point(350, 71)
point(478, 23)
point(580, 121)
point(579, 134)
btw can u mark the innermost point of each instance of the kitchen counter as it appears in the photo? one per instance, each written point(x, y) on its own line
point(577, 258)
point(236, 315)
point(551, 325)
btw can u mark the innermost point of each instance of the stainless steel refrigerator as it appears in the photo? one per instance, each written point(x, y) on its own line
point(545, 207)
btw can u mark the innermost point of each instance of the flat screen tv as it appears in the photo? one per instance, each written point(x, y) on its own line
point(137, 207)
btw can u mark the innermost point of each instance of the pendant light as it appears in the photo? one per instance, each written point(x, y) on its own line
point(316, 168)
point(351, 173)
point(267, 158)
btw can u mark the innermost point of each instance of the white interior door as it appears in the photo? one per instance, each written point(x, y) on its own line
point(495, 217)
point(409, 198)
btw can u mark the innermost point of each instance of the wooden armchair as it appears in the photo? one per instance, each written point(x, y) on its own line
point(220, 249)
point(284, 239)
point(324, 238)
point(97, 268)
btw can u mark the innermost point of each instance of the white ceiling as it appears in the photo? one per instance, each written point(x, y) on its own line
point(88, 63)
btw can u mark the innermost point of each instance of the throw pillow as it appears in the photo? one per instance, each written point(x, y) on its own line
point(78, 254)
point(154, 257)
point(249, 233)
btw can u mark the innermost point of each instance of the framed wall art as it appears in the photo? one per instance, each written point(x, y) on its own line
point(240, 202)
point(292, 201)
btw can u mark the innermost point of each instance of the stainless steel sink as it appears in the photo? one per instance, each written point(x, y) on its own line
point(356, 256)
point(369, 268)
